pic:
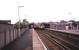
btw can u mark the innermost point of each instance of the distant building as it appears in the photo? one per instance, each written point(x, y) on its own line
point(52, 25)
point(60, 25)
point(5, 21)
point(64, 25)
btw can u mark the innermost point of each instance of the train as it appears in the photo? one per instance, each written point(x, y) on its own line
point(39, 25)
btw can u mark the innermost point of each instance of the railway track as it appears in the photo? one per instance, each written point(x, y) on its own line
point(54, 42)
point(51, 45)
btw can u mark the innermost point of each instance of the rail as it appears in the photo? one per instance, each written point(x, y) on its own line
point(59, 39)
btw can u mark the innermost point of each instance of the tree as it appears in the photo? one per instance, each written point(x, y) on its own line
point(25, 23)
point(17, 25)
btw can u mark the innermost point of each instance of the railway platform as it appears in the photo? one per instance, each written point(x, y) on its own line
point(76, 32)
point(28, 41)
point(37, 43)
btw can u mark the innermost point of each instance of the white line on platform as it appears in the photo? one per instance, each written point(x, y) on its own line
point(41, 42)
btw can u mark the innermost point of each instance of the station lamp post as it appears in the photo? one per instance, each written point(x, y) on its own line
point(19, 19)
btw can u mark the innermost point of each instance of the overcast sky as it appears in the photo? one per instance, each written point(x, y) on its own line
point(39, 10)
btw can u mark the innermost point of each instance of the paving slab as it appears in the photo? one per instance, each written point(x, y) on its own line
point(37, 45)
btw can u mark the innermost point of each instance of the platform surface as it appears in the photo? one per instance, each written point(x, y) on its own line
point(28, 41)
point(37, 45)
